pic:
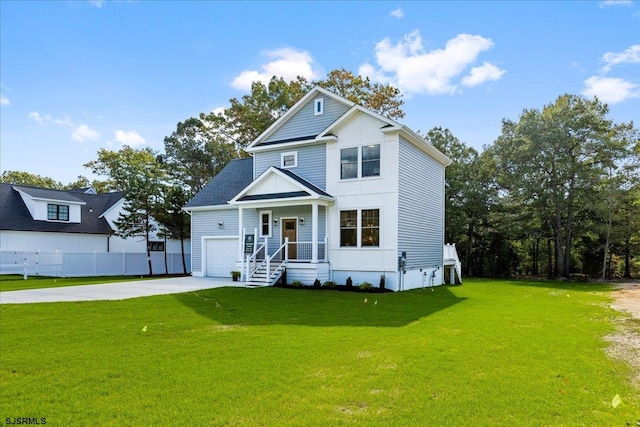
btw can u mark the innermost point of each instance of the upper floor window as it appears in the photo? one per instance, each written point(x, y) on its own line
point(318, 106)
point(265, 223)
point(359, 162)
point(371, 160)
point(289, 160)
point(349, 163)
point(57, 212)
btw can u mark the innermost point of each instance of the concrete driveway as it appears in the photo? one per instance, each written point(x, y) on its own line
point(115, 291)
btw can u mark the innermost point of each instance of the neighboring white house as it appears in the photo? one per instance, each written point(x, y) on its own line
point(355, 194)
point(41, 220)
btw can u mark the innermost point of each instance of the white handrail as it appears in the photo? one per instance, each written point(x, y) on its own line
point(283, 248)
point(253, 260)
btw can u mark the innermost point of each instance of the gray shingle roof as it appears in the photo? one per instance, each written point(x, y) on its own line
point(225, 185)
point(14, 215)
point(272, 196)
point(46, 193)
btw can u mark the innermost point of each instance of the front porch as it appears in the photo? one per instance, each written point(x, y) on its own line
point(283, 226)
point(265, 267)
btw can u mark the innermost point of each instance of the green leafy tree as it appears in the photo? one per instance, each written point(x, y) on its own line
point(194, 153)
point(383, 99)
point(137, 173)
point(29, 179)
point(469, 194)
point(174, 222)
point(550, 161)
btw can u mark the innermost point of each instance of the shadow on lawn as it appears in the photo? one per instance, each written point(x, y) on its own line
point(275, 306)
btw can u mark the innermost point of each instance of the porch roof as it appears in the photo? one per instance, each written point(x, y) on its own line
point(281, 186)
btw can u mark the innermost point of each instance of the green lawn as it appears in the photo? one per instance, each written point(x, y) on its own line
point(17, 283)
point(488, 353)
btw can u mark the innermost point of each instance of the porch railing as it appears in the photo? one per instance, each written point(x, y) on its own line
point(303, 251)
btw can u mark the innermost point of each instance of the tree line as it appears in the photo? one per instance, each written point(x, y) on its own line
point(556, 194)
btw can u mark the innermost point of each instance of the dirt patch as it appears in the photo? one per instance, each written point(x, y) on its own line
point(625, 342)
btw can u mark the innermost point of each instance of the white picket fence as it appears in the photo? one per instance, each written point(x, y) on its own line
point(77, 264)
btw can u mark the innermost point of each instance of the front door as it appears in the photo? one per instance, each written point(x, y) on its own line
point(290, 230)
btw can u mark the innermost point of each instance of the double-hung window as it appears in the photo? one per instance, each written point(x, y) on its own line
point(360, 228)
point(57, 212)
point(289, 160)
point(371, 160)
point(360, 162)
point(370, 227)
point(265, 223)
point(349, 163)
point(349, 228)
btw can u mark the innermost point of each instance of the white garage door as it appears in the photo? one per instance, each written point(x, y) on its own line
point(221, 257)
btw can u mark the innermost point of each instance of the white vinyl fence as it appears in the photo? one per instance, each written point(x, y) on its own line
point(76, 264)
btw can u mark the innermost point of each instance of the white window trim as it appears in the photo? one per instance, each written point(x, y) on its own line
point(270, 223)
point(295, 159)
point(359, 163)
point(359, 229)
point(315, 106)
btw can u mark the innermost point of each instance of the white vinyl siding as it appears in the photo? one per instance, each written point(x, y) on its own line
point(420, 207)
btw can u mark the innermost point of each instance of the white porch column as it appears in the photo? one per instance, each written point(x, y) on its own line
point(314, 232)
point(240, 234)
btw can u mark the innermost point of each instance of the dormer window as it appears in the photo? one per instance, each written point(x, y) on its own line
point(57, 212)
point(318, 106)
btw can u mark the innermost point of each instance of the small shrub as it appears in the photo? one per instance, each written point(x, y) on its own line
point(365, 286)
point(349, 282)
point(316, 283)
point(296, 283)
point(383, 279)
point(329, 284)
point(235, 276)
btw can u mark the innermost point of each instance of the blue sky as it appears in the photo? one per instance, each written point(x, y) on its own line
point(77, 76)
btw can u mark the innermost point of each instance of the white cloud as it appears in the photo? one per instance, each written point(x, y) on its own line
point(63, 122)
point(629, 56)
point(411, 69)
point(607, 3)
point(97, 3)
point(39, 119)
point(397, 13)
point(130, 138)
point(46, 119)
point(288, 64)
point(4, 100)
point(609, 89)
point(479, 75)
point(83, 133)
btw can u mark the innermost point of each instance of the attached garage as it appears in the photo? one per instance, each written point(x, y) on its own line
point(220, 257)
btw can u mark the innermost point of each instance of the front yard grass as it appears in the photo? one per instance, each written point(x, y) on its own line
point(17, 283)
point(486, 353)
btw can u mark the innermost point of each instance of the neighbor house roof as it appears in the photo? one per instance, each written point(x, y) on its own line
point(14, 214)
point(225, 185)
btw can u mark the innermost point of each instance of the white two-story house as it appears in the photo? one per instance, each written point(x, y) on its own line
point(332, 190)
